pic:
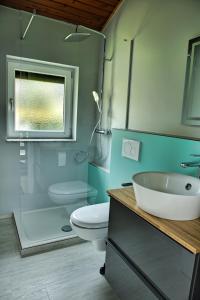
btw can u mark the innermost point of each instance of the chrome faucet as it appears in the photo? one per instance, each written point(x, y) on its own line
point(191, 164)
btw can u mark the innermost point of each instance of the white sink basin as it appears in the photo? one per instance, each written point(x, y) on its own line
point(168, 195)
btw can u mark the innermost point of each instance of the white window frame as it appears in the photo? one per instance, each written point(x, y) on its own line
point(71, 76)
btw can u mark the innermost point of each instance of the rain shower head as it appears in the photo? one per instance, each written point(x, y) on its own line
point(77, 37)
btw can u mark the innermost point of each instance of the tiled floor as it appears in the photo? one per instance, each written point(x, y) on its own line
point(67, 274)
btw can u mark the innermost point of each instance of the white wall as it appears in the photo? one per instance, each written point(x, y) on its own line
point(44, 41)
point(161, 30)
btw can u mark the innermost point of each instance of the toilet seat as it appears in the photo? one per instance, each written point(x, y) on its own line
point(91, 223)
point(92, 216)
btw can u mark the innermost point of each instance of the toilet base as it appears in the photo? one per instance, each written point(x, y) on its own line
point(100, 245)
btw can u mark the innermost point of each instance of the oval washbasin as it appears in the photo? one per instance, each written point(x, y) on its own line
point(171, 196)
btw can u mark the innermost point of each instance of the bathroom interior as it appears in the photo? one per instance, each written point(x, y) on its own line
point(99, 149)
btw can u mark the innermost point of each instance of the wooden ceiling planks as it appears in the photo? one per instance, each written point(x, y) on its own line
point(90, 13)
point(98, 4)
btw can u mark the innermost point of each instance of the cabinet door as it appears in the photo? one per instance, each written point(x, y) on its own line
point(123, 280)
point(165, 262)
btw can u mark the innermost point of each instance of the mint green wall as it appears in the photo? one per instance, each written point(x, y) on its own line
point(158, 153)
point(99, 179)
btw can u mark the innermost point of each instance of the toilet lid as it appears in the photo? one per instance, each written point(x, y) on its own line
point(92, 216)
point(70, 187)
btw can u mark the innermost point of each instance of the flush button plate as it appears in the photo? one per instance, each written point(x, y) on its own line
point(131, 149)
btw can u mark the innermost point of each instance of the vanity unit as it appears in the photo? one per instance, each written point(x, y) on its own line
point(148, 257)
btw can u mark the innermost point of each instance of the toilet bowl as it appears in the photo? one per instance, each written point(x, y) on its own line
point(72, 194)
point(91, 223)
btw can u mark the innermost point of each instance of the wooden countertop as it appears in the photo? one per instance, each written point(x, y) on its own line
point(186, 233)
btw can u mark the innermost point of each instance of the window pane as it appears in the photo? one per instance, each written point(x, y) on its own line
point(39, 102)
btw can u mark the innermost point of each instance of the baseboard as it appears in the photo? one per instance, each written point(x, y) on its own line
point(6, 216)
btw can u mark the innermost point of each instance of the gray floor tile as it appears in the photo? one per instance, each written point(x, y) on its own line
point(65, 274)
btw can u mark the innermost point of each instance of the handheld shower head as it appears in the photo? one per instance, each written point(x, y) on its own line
point(96, 96)
point(96, 99)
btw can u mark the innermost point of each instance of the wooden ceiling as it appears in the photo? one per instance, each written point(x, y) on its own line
point(90, 13)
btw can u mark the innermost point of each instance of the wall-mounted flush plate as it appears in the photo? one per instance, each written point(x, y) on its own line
point(131, 149)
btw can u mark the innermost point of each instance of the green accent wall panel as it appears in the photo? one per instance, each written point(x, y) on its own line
point(99, 179)
point(157, 153)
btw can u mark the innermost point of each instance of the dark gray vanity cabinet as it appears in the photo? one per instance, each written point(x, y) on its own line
point(142, 263)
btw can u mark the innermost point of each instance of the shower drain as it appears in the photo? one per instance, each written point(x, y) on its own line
point(66, 228)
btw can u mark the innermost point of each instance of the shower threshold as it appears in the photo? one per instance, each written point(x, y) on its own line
point(41, 229)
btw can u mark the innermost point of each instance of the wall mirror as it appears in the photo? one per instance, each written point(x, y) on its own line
point(191, 105)
point(165, 67)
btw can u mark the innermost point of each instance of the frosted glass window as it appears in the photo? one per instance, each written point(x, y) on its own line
point(42, 100)
point(39, 102)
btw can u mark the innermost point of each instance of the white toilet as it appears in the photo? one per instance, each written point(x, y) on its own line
point(72, 194)
point(91, 223)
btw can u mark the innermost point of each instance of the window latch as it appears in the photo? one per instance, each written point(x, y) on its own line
point(11, 104)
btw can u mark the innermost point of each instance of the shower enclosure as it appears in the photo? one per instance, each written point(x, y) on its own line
point(39, 219)
point(42, 162)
